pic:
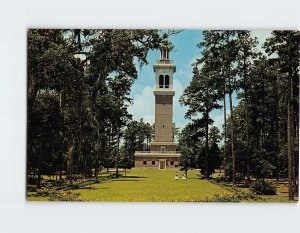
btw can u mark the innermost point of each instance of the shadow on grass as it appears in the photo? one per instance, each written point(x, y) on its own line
point(126, 180)
point(90, 188)
point(136, 177)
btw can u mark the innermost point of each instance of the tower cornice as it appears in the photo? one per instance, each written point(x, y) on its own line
point(164, 92)
point(164, 65)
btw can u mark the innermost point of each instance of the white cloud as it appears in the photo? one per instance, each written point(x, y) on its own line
point(178, 110)
point(143, 105)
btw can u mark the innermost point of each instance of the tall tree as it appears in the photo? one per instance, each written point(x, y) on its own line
point(246, 54)
point(202, 97)
point(220, 52)
point(286, 45)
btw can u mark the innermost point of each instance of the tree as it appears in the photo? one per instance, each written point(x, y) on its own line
point(52, 68)
point(220, 53)
point(175, 132)
point(201, 97)
point(135, 135)
point(188, 145)
point(285, 44)
point(125, 162)
point(214, 150)
point(185, 159)
point(246, 55)
point(90, 73)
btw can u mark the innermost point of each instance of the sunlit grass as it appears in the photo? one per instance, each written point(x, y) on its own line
point(152, 185)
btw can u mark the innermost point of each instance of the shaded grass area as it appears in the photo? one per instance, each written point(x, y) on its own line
point(242, 190)
point(146, 185)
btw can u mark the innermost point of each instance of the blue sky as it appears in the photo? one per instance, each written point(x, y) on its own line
point(183, 55)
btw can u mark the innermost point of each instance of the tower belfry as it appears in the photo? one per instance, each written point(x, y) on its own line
point(162, 152)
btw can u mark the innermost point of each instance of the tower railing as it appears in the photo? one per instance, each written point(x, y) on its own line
point(158, 152)
point(164, 61)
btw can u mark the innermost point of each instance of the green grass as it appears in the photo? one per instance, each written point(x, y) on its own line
point(147, 185)
point(152, 185)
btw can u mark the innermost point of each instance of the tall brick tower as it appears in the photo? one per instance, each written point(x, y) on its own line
point(164, 93)
point(162, 154)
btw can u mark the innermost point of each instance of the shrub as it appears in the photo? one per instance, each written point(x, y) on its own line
point(262, 187)
point(221, 179)
point(32, 180)
point(43, 192)
point(62, 195)
point(225, 198)
point(31, 188)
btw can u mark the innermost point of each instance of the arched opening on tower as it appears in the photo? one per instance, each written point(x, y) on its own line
point(167, 81)
point(161, 81)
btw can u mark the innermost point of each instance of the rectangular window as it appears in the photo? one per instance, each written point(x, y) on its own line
point(172, 162)
point(153, 162)
point(144, 162)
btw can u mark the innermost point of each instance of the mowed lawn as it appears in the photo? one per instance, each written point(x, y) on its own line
point(147, 185)
point(141, 185)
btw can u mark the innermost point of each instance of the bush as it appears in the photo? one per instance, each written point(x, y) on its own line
point(31, 188)
point(221, 179)
point(62, 195)
point(43, 192)
point(225, 198)
point(32, 180)
point(262, 187)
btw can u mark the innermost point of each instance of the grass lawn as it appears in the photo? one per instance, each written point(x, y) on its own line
point(146, 185)
point(152, 185)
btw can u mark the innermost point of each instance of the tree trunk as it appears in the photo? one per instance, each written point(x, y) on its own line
point(39, 174)
point(70, 163)
point(246, 123)
point(290, 141)
point(225, 132)
point(97, 169)
point(206, 147)
point(81, 140)
point(247, 143)
point(232, 135)
point(85, 165)
point(118, 151)
point(118, 139)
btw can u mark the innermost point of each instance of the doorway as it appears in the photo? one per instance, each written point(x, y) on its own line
point(162, 164)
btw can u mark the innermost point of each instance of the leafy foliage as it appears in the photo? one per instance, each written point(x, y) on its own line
point(263, 187)
point(79, 83)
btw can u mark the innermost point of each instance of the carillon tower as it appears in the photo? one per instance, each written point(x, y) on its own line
point(164, 70)
point(162, 154)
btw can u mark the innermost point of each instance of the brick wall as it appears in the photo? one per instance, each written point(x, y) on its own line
point(170, 163)
point(163, 118)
